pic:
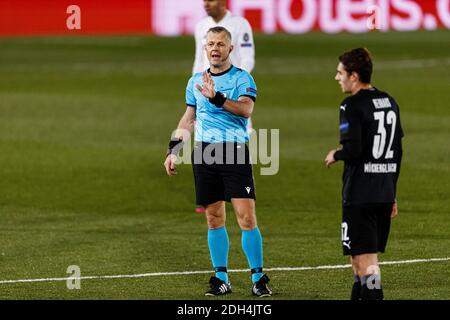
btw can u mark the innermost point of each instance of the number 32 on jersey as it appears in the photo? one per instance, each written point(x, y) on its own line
point(385, 121)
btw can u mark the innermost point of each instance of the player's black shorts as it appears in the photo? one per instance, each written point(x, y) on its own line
point(222, 171)
point(365, 228)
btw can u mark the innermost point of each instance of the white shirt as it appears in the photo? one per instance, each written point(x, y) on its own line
point(243, 54)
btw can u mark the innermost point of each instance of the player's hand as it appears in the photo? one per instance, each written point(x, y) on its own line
point(394, 212)
point(207, 89)
point(169, 164)
point(329, 160)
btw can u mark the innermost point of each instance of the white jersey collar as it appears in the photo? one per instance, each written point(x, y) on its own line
point(225, 17)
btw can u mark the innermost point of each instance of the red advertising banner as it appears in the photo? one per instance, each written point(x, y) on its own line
point(42, 17)
point(175, 17)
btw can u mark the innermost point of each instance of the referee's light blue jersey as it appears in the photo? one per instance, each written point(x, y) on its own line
point(216, 125)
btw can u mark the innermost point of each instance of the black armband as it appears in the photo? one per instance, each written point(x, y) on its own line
point(175, 145)
point(218, 100)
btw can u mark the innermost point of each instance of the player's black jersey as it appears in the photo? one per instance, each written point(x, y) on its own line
point(371, 135)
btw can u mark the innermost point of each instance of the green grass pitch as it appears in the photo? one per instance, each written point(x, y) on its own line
point(84, 124)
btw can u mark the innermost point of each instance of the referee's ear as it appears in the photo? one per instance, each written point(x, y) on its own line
point(231, 48)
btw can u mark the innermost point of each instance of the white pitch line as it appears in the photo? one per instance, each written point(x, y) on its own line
point(157, 274)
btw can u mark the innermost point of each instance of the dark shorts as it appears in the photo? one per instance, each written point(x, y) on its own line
point(222, 171)
point(365, 228)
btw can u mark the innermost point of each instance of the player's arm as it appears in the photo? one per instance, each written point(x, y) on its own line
point(182, 133)
point(350, 131)
point(246, 47)
point(394, 211)
point(351, 150)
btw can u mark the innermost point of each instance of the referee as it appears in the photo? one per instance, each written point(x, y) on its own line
point(371, 139)
point(220, 101)
point(243, 54)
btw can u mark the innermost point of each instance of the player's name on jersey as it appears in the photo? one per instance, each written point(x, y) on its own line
point(382, 103)
point(380, 167)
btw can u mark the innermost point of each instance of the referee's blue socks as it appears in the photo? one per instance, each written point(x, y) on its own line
point(252, 245)
point(218, 248)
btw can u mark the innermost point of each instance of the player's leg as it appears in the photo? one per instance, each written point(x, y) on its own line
point(369, 273)
point(359, 240)
point(366, 263)
point(368, 229)
point(348, 223)
point(369, 270)
point(356, 289)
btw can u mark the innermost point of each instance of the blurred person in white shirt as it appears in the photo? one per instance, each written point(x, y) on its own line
point(243, 54)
